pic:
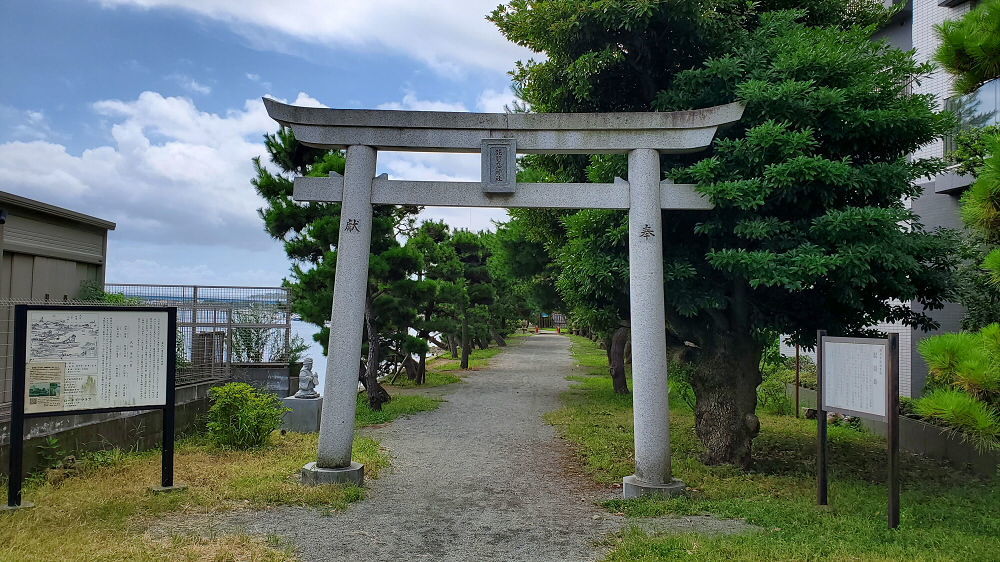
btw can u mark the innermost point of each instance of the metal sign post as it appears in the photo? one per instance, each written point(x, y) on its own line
point(821, 475)
point(892, 433)
point(846, 376)
point(19, 414)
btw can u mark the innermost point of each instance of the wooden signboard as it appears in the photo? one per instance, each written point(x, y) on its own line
point(859, 377)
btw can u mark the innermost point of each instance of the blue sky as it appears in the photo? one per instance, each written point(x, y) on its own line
point(147, 112)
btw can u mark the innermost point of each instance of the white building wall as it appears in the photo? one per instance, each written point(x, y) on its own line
point(927, 14)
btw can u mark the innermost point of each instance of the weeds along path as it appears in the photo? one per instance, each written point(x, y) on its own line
point(481, 478)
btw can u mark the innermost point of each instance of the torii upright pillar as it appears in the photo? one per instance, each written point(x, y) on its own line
point(340, 390)
point(650, 404)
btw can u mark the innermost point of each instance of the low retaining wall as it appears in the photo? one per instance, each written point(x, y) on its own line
point(274, 378)
point(93, 432)
point(923, 438)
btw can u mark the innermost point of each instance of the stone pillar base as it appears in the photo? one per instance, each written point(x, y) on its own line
point(304, 415)
point(313, 475)
point(632, 487)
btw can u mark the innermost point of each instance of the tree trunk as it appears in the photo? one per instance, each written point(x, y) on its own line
point(376, 394)
point(483, 343)
point(725, 386)
point(422, 368)
point(412, 370)
point(453, 343)
point(438, 342)
point(499, 338)
point(616, 360)
point(465, 342)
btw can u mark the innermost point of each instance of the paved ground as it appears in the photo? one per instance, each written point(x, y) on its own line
point(481, 478)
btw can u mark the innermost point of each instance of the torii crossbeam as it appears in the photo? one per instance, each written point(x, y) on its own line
point(499, 136)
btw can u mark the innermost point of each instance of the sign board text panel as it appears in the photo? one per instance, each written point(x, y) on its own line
point(86, 359)
point(855, 374)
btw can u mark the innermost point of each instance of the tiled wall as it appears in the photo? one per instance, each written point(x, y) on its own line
point(927, 14)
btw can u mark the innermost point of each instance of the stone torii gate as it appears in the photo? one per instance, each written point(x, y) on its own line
point(643, 136)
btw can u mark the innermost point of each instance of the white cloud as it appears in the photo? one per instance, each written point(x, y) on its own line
point(177, 181)
point(171, 175)
point(134, 262)
point(494, 101)
point(448, 35)
point(27, 124)
point(411, 102)
point(254, 77)
point(190, 84)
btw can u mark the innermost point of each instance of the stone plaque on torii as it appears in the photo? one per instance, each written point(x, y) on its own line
point(498, 137)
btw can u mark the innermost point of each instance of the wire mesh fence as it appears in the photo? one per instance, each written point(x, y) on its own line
point(217, 327)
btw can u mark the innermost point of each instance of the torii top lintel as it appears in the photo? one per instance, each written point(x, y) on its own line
point(539, 133)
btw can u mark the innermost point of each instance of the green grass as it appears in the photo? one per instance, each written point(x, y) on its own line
point(400, 405)
point(102, 513)
point(434, 378)
point(441, 369)
point(946, 514)
point(478, 359)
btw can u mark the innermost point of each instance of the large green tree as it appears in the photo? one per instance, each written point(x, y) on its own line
point(810, 228)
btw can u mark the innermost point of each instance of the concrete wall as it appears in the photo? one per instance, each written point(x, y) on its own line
point(126, 430)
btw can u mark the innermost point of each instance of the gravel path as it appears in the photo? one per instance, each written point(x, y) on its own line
point(481, 478)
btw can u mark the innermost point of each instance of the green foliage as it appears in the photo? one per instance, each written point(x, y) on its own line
point(679, 380)
point(809, 228)
point(966, 361)
point(974, 420)
point(964, 386)
point(981, 206)
point(50, 452)
point(771, 397)
point(970, 46)
point(242, 417)
point(974, 287)
point(972, 147)
point(297, 346)
point(93, 291)
point(258, 344)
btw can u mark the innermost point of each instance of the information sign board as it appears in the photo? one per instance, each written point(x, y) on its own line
point(855, 375)
point(858, 377)
point(85, 360)
point(72, 359)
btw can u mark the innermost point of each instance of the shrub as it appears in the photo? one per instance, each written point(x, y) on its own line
point(943, 354)
point(242, 417)
point(966, 361)
point(785, 370)
point(771, 397)
point(976, 421)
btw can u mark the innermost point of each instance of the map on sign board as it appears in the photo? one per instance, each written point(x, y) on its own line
point(855, 376)
point(81, 360)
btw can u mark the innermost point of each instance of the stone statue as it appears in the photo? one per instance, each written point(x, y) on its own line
point(307, 380)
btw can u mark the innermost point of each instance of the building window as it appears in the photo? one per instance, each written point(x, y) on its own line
point(978, 109)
